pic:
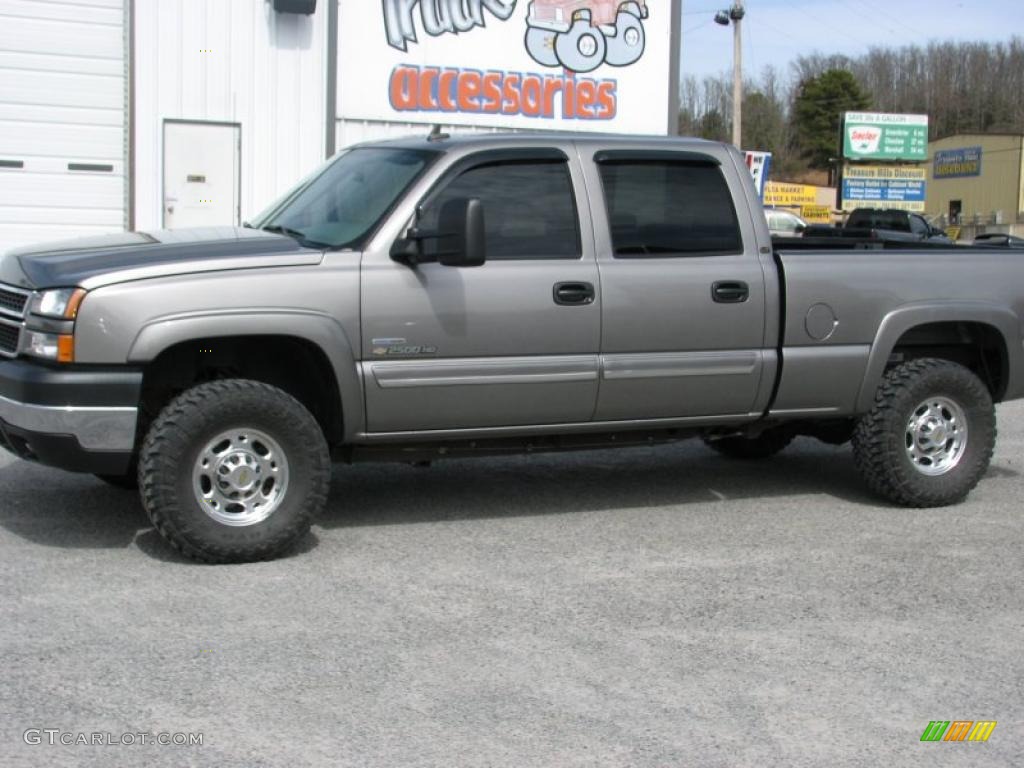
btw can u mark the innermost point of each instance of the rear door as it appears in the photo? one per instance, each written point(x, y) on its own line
point(512, 342)
point(683, 288)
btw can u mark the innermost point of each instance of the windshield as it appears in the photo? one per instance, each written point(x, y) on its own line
point(340, 205)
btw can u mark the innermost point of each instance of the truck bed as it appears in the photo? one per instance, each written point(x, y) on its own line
point(841, 317)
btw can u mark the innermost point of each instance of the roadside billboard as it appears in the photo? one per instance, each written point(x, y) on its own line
point(882, 186)
point(882, 136)
point(581, 65)
point(956, 163)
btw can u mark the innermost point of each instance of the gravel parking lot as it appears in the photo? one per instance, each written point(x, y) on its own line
point(650, 607)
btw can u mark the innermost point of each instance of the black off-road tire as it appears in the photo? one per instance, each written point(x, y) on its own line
point(127, 482)
point(178, 436)
point(881, 437)
point(765, 445)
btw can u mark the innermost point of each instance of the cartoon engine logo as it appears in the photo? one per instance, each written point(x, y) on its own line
point(576, 35)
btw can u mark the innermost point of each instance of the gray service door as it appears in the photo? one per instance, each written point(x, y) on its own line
point(683, 299)
point(489, 346)
point(202, 164)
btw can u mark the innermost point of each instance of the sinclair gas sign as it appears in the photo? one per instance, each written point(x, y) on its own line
point(882, 136)
point(596, 65)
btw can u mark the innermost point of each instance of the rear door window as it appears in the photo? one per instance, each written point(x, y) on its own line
point(662, 208)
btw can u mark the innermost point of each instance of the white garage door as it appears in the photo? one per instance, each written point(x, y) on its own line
point(62, 119)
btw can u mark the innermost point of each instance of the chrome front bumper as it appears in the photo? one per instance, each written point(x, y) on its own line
point(95, 428)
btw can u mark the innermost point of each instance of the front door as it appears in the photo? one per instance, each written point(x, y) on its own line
point(513, 342)
point(683, 290)
point(201, 174)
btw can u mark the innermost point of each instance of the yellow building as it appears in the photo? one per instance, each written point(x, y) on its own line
point(976, 179)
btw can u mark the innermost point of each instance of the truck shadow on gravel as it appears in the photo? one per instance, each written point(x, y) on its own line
point(59, 509)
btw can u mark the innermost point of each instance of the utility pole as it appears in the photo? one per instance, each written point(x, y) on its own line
point(734, 16)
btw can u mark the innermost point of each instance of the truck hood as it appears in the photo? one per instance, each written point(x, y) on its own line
point(92, 262)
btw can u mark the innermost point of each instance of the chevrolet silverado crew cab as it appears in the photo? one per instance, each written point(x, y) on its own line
point(442, 296)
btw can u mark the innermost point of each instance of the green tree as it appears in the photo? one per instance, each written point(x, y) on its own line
point(764, 124)
point(818, 109)
point(712, 126)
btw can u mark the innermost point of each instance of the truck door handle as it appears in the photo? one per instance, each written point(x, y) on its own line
point(573, 294)
point(730, 292)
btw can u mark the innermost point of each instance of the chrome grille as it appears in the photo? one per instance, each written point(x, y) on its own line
point(10, 335)
point(13, 301)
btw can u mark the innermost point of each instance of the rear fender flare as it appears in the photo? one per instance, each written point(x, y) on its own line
point(901, 320)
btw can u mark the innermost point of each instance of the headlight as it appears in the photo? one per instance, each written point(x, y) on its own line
point(61, 303)
point(50, 346)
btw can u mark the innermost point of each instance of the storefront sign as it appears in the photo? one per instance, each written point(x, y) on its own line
point(956, 163)
point(600, 65)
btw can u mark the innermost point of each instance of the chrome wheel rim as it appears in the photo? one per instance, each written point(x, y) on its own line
point(240, 477)
point(936, 436)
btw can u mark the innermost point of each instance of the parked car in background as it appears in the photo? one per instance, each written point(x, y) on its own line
point(885, 224)
point(1000, 239)
point(784, 223)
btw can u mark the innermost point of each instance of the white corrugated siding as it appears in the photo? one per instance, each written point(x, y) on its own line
point(62, 100)
point(233, 61)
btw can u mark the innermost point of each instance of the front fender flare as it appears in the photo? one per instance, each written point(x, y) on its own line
point(316, 328)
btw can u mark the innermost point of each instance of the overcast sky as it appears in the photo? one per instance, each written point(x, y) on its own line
point(777, 31)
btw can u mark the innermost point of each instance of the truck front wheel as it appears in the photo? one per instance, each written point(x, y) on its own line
point(929, 437)
point(234, 471)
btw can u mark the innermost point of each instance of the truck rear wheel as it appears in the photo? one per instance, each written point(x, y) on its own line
point(765, 445)
point(929, 437)
point(234, 471)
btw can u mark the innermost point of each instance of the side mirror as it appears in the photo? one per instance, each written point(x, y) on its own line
point(800, 229)
point(460, 237)
point(461, 233)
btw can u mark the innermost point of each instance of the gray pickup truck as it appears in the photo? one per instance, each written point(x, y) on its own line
point(442, 296)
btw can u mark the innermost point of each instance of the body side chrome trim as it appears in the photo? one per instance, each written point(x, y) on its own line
point(672, 364)
point(97, 429)
point(476, 371)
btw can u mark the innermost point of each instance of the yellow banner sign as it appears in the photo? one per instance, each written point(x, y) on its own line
point(816, 214)
point(789, 195)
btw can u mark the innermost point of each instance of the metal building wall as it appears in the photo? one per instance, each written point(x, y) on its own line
point(233, 61)
point(999, 187)
point(62, 119)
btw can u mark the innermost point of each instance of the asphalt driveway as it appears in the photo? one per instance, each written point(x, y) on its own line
point(649, 607)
